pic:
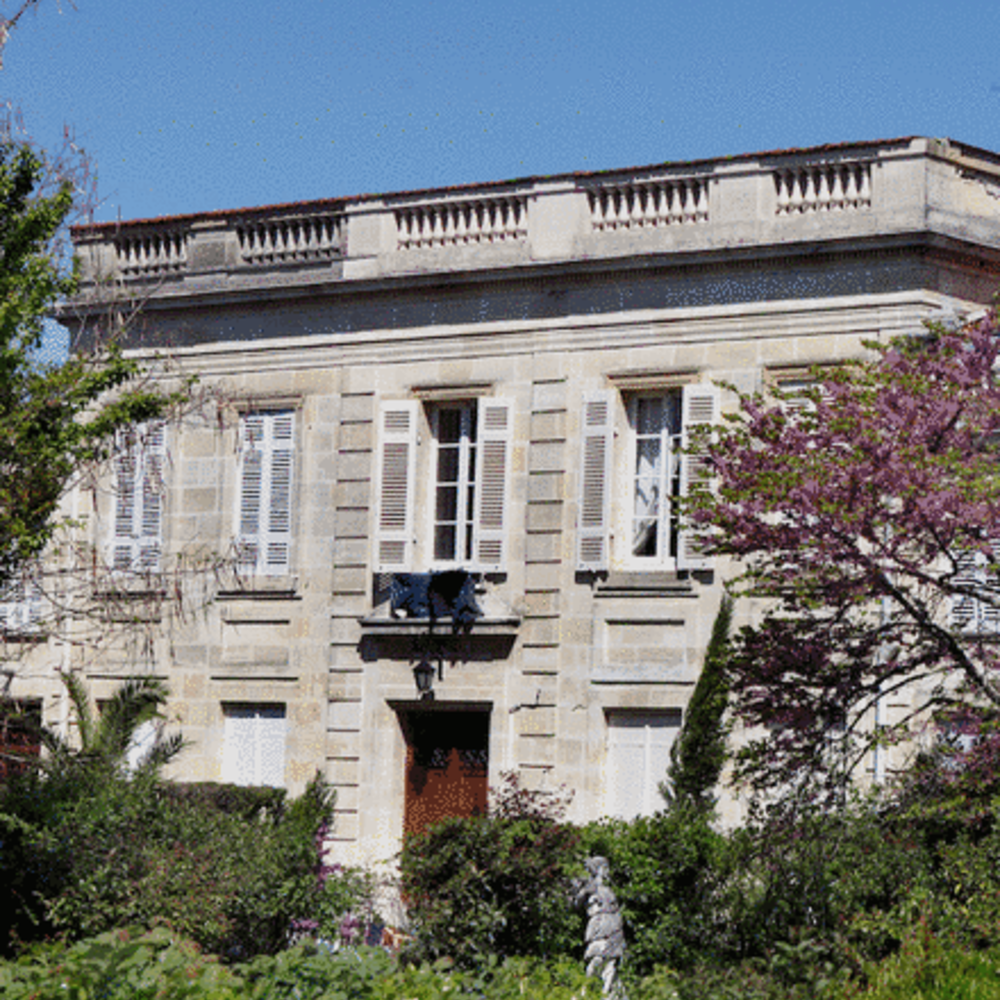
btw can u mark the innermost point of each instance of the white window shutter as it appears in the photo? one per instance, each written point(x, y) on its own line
point(277, 548)
point(964, 612)
point(396, 477)
point(638, 751)
point(593, 523)
point(267, 453)
point(253, 750)
point(699, 408)
point(970, 614)
point(495, 427)
point(137, 544)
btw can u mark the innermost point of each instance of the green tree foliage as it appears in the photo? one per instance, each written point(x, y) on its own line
point(55, 419)
point(499, 884)
point(699, 752)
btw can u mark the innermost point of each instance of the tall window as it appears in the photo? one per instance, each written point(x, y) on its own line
point(655, 423)
point(264, 513)
point(465, 466)
point(254, 744)
point(630, 483)
point(137, 543)
point(454, 481)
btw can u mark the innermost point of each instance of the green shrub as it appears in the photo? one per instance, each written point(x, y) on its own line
point(499, 884)
point(104, 851)
point(118, 965)
point(666, 871)
point(310, 972)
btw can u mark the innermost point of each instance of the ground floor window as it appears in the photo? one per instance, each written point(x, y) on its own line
point(638, 753)
point(254, 744)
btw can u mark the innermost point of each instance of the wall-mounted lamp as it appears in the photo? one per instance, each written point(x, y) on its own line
point(423, 674)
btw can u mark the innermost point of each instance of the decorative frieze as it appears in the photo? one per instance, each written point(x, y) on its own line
point(823, 187)
point(647, 204)
point(459, 223)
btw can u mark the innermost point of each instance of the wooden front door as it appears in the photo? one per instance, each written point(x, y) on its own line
point(447, 764)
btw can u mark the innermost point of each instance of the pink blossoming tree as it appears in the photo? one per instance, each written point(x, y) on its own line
point(865, 514)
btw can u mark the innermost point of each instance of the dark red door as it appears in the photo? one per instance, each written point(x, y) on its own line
point(447, 764)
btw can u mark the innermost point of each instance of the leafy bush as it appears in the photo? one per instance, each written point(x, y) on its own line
point(118, 965)
point(499, 884)
point(104, 851)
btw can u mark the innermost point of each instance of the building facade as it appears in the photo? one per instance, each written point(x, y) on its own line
point(477, 398)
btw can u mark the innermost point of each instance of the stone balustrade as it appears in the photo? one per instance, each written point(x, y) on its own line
point(845, 191)
point(461, 223)
point(265, 240)
point(642, 204)
point(153, 252)
point(833, 187)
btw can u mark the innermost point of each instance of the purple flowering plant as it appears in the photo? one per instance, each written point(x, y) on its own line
point(863, 512)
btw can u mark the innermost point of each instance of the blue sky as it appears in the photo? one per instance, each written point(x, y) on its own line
point(189, 106)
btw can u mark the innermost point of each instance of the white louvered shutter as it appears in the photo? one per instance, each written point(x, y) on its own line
point(254, 745)
point(495, 426)
point(989, 611)
point(699, 407)
point(974, 615)
point(396, 478)
point(964, 612)
point(597, 438)
point(267, 453)
point(137, 545)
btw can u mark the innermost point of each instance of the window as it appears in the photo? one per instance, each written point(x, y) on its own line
point(638, 756)
point(636, 513)
point(454, 482)
point(137, 543)
point(461, 476)
point(254, 744)
point(655, 470)
point(264, 511)
point(21, 610)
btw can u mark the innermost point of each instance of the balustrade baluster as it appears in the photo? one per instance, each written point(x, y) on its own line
point(865, 193)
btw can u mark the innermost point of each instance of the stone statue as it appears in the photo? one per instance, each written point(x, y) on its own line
point(605, 935)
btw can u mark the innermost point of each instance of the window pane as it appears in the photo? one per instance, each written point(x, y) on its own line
point(446, 507)
point(447, 465)
point(444, 542)
point(449, 426)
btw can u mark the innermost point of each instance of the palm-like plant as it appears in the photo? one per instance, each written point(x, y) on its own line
point(106, 738)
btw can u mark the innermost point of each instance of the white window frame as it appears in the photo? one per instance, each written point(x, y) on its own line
point(607, 477)
point(136, 544)
point(638, 754)
point(466, 482)
point(660, 489)
point(407, 470)
point(254, 746)
point(264, 495)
